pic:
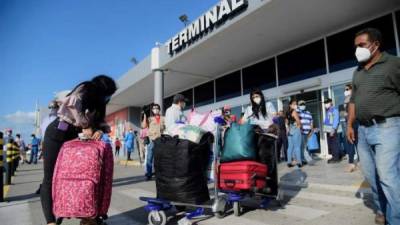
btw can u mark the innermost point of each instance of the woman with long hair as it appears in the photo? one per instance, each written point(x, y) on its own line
point(294, 135)
point(82, 110)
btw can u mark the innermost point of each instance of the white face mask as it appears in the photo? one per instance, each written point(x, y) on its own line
point(294, 107)
point(327, 105)
point(347, 93)
point(156, 111)
point(363, 54)
point(302, 107)
point(257, 100)
point(183, 105)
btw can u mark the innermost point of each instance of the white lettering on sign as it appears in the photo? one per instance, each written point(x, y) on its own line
point(205, 23)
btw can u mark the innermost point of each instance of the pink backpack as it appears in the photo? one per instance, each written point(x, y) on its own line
point(82, 180)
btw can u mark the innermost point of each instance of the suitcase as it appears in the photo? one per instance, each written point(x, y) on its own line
point(82, 180)
point(242, 176)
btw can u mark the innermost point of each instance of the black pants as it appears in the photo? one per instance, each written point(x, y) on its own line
point(53, 140)
point(117, 150)
point(267, 155)
point(333, 147)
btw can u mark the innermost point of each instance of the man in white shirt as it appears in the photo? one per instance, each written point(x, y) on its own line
point(174, 114)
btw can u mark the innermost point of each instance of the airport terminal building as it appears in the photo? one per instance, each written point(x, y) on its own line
point(301, 49)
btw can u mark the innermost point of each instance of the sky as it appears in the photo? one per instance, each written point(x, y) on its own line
point(48, 46)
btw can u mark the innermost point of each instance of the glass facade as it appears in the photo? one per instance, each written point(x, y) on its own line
point(341, 45)
point(228, 86)
point(204, 94)
point(261, 75)
point(302, 63)
point(189, 95)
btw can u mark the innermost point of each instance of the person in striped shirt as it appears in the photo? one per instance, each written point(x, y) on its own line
point(306, 121)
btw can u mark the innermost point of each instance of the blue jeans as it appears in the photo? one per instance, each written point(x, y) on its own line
point(149, 159)
point(294, 147)
point(34, 155)
point(379, 151)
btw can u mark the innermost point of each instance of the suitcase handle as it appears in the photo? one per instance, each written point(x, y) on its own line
point(230, 183)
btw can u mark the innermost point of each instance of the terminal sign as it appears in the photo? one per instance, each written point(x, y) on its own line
point(205, 23)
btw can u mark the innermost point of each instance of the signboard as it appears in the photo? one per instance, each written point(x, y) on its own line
point(206, 23)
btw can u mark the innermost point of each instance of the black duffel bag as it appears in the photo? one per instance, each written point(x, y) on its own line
point(181, 168)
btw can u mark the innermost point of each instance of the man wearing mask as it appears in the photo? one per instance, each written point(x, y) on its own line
point(34, 149)
point(174, 114)
point(348, 147)
point(331, 125)
point(375, 103)
point(306, 129)
point(156, 126)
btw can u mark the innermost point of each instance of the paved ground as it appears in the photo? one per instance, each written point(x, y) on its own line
point(320, 194)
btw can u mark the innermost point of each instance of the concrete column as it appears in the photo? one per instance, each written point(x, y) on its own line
point(159, 88)
point(158, 77)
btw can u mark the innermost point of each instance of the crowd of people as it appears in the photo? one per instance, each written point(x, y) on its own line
point(364, 128)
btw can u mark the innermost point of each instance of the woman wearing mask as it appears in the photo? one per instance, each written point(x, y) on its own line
point(82, 110)
point(156, 126)
point(261, 113)
point(294, 135)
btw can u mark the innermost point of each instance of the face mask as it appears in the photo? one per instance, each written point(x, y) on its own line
point(257, 100)
point(156, 111)
point(363, 54)
point(347, 93)
point(302, 107)
point(183, 105)
point(327, 105)
point(294, 107)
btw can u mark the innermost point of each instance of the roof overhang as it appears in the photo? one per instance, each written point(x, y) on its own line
point(264, 29)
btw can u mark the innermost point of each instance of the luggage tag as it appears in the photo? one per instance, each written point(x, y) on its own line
point(63, 126)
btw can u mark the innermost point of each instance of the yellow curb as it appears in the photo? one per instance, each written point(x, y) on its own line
point(129, 163)
point(6, 188)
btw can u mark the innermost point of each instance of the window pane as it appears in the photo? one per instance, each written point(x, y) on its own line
point(168, 102)
point(228, 86)
point(301, 63)
point(204, 94)
point(261, 75)
point(341, 46)
point(189, 95)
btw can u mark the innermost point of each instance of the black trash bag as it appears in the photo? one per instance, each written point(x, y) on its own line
point(181, 168)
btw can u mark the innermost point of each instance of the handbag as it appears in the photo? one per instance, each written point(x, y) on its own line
point(312, 142)
point(146, 140)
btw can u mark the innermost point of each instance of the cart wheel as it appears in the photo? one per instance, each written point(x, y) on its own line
point(219, 215)
point(157, 217)
point(237, 209)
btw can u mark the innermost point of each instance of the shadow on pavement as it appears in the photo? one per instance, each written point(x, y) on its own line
point(128, 180)
point(22, 197)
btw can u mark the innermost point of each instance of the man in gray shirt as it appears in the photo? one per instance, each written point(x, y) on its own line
point(375, 103)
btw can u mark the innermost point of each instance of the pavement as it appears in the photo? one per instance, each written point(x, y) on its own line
point(320, 194)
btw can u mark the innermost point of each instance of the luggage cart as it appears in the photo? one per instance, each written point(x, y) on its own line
point(157, 208)
point(235, 198)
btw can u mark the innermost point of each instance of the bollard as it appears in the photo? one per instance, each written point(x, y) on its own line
point(1, 168)
point(9, 163)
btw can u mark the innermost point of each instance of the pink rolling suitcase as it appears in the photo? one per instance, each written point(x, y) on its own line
point(82, 179)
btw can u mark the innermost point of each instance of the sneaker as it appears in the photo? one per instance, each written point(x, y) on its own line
point(380, 219)
point(299, 165)
point(289, 165)
point(304, 162)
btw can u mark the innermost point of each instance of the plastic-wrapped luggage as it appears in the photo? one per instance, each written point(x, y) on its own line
point(181, 169)
point(242, 176)
point(239, 143)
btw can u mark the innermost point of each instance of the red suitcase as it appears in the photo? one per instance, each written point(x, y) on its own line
point(242, 176)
